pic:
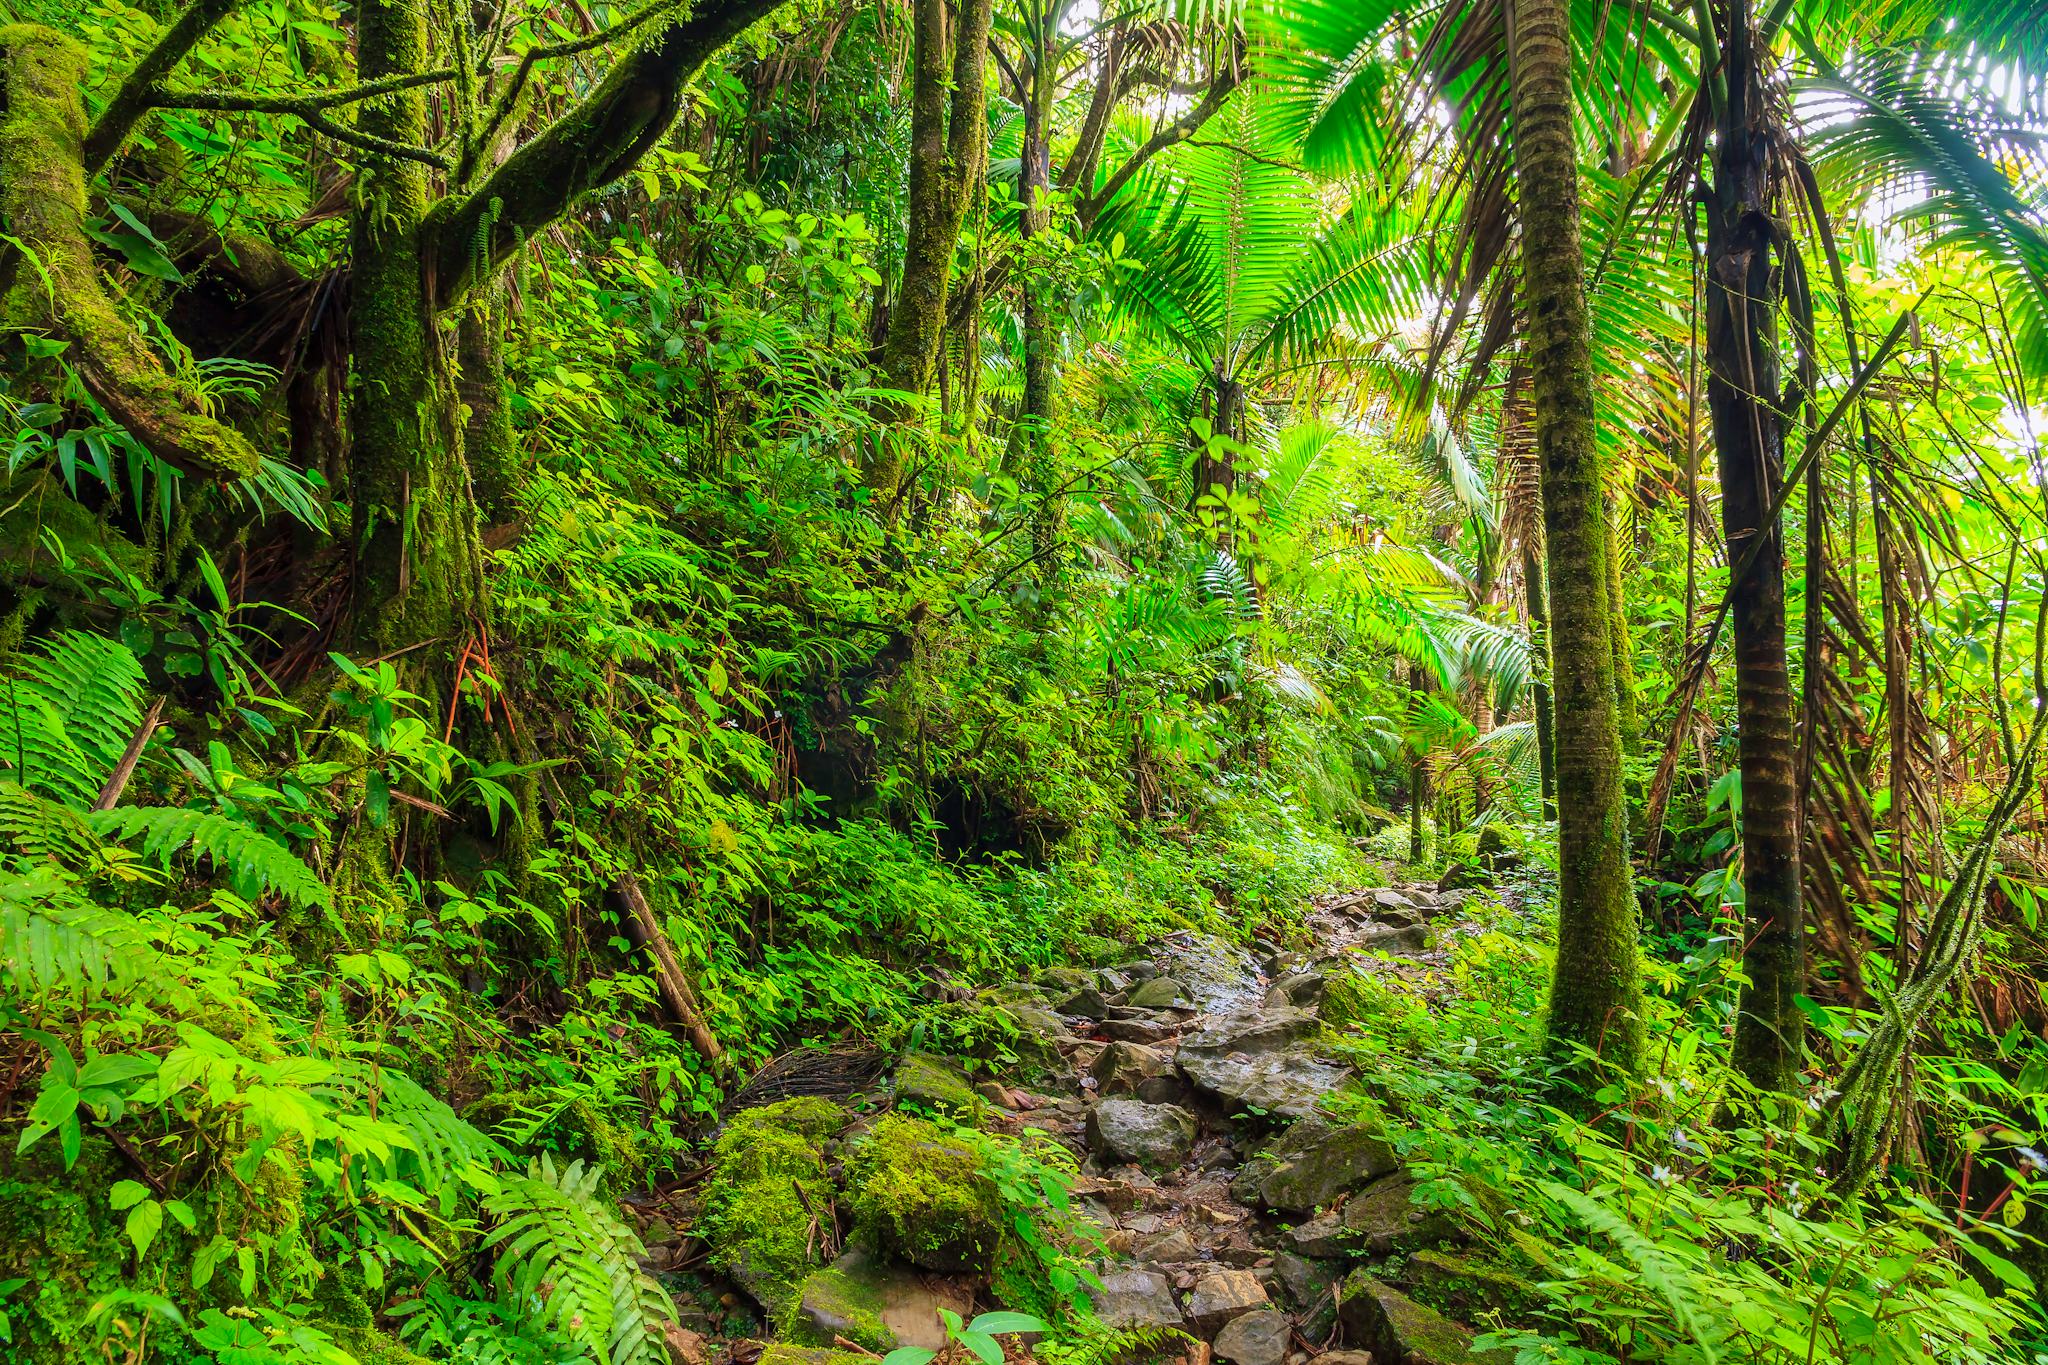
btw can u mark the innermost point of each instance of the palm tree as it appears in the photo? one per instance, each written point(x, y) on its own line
point(1595, 993)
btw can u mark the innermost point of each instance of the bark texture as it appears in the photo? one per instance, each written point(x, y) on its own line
point(1743, 285)
point(1595, 996)
point(43, 201)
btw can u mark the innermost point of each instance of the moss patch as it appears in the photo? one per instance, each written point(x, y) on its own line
point(767, 1204)
point(927, 1082)
point(919, 1193)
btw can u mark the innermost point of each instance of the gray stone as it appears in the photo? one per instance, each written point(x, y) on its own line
point(1059, 982)
point(1394, 1327)
point(1165, 1088)
point(1401, 940)
point(880, 1306)
point(1169, 1247)
point(1137, 1030)
point(1135, 1296)
point(1320, 1238)
point(1156, 1136)
point(1142, 970)
point(1254, 1061)
point(1121, 1066)
point(1318, 1159)
point(1326, 1358)
point(1215, 975)
point(1087, 1003)
point(1388, 899)
point(1157, 993)
point(1306, 1281)
point(1222, 1295)
point(1462, 876)
point(1383, 1218)
point(1303, 989)
point(925, 1081)
point(1256, 1338)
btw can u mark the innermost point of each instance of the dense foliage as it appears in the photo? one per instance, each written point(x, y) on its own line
point(551, 555)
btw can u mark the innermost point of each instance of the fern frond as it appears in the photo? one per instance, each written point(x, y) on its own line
point(68, 714)
point(53, 939)
point(566, 1261)
point(253, 860)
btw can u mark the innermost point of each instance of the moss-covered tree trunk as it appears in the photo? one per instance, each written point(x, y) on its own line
point(419, 575)
point(1596, 993)
point(1742, 287)
point(947, 147)
point(1538, 594)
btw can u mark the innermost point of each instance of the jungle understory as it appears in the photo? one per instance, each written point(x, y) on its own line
point(1209, 682)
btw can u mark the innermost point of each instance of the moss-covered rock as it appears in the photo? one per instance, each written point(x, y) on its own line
point(1393, 1326)
point(785, 1353)
point(766, 1195)
point(924, 1081)
point(919, 1193)
point(873, 1304)
point(1466, 1286)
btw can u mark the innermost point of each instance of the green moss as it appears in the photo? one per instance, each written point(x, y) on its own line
point(374, 1348)
point(783, 1353)
point(852, 1308)
point(927, 1082)
point(767, 1195)
point(1466, 1286)
point(919, 1193)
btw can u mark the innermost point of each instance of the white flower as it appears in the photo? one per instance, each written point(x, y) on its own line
point(1664, 1176)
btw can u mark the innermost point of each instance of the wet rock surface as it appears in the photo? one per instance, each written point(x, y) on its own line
point(1235, 1204)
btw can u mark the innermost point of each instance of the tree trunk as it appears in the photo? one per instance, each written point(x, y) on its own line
point(1418, 786)
point(419, 574)
point(946, 153)
point(1743, 285)
point(1626, 715)
point(1538, 594)
point(1596, 994)
point(1029, 434)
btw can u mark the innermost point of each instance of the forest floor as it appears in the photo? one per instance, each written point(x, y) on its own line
point(1238, 1198)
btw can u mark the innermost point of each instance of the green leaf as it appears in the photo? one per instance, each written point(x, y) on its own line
point(126, 1194)
point(909, 1355)
point(1001, 1324)
point(145, 1220)
point(986, 1347)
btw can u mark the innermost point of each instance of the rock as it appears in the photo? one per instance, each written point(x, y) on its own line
point(1087, 1003)
point(1221, 1296)
point(925, 1081)
point(1320, 1238)
point(876, 1305)
point(1155, 1136)
point(1252, 1061)
point(1388, 899)
point(918, 1193)
point(1404, 939)
point(1135, 1296)
point(1215, 975)
point(996, 1093)
point(1167, 1088)
point(1059, 982)
point(1382, 1218)
point(1462, 876)
point(1257, 1338)
point(1143, 969)
point(1283, 962)
point(1318, 1159)
point(1122, 1066)
point(685, 1347)
point(1394, 1327)
point(1306, 1281)
point(1168, 1247)
point(785, 1353)
point(1466, 1285)
point(1137, 1030)
point(1157, 993)
point(1345, 1358)
point(1037, 1044)
point(768, 1171)
point(1303, 989)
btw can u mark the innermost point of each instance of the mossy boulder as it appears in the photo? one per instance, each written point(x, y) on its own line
point(784, 1353)
point(1467, 1286)
point(768, 1189)
point(924, 1081)
point(1383, 1320)
point(918, 1192)
point(877, 1306)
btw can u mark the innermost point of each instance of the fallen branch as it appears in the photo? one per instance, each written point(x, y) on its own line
point(647, 935)
point(110, 794)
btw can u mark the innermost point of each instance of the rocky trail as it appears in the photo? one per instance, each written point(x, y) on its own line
point(1234, 1207)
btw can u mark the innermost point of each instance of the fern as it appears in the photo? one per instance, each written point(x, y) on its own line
point(1655, 1268)
point(254, 861)
point(38, 827)
point(567, 1263)
point(53, 939)
point(68, 714)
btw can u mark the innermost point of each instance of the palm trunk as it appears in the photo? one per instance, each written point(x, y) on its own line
point(1596, 993)
point(1743, 286)
point(1538, 594)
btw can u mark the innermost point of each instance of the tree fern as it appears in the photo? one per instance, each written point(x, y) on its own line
point(67, 715)
point(566, 1262)
point(253, 860)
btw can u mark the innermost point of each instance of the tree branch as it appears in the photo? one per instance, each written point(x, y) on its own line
point(138, 92)
point(593, 144)
point(1229, 73)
